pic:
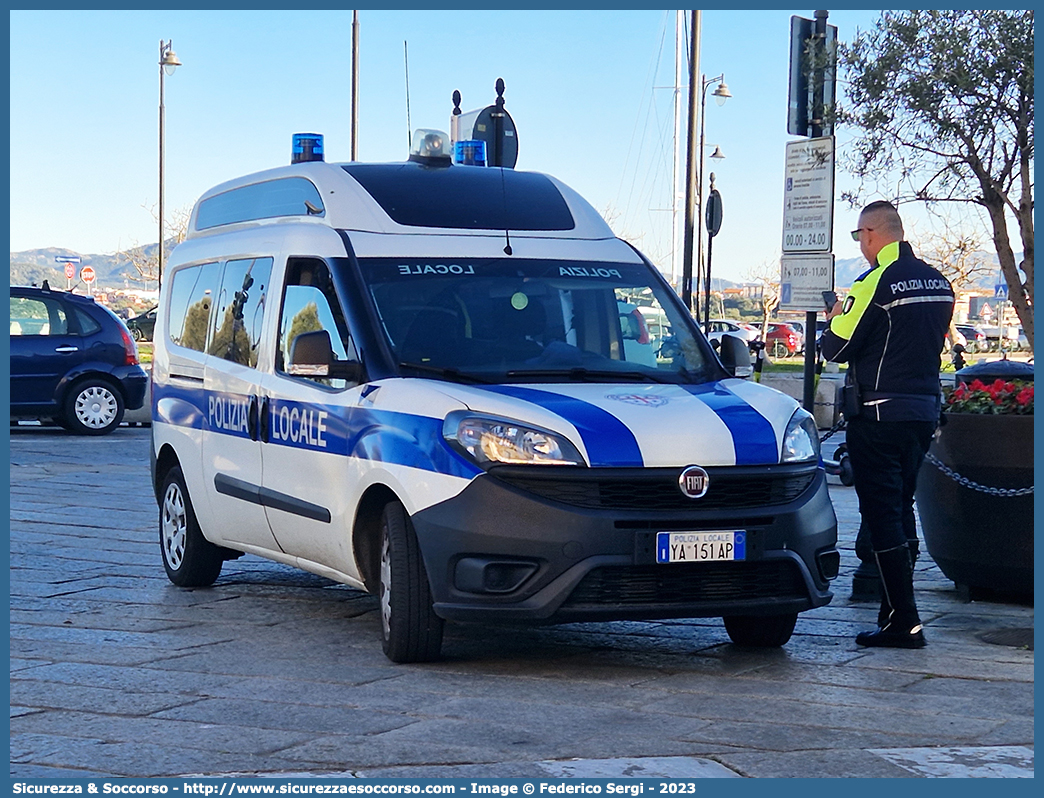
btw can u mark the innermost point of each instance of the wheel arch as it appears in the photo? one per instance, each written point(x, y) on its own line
point(366, 533)
point(74, 379)
point(165, 460)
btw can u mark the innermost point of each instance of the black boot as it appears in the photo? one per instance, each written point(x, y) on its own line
point(903, 625)
point(885, 612)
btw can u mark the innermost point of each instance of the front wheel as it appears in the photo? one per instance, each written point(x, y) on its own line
point(93, 407)
point(410, 629)
point(760, 631)
point(189, 559)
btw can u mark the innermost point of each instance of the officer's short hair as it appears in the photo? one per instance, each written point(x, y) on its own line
point(883, 216)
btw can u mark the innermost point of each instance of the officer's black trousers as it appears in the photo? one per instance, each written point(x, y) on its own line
point(886, 456)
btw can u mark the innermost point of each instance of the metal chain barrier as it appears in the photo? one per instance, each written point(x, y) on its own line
point(931, 458)
point(838, 426)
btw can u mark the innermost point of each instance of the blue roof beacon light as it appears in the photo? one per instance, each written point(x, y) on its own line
point(307, 147)
point(471, 152)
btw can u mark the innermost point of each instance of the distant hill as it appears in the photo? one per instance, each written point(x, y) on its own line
point(37, 265)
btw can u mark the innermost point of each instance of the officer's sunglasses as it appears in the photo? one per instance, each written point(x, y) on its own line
point(855, 233)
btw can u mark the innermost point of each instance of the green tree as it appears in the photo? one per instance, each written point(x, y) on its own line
point(305, 320)
point(943, 101)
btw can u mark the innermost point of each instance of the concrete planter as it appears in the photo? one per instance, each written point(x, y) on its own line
point(977, 539)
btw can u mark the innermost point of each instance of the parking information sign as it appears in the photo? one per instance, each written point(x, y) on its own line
point(803, 279)
point(808, 196)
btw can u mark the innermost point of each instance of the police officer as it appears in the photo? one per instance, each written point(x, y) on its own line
point(890, 331)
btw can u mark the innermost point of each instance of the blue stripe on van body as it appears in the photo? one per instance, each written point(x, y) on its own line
point(379, 435)
point(609, 442)
point(752, 435)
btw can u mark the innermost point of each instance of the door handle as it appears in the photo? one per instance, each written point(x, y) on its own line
point(263, 432)
point(252, 419)
point(66, 349)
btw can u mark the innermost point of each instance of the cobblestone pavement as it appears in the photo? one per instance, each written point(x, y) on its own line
point(114, 671)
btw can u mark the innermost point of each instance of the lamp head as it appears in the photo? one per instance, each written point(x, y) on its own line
point(170, 61)
point(718, 154)
point(722, 93)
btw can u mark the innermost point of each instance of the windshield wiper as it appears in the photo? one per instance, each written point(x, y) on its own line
point(453, 374)
point(590, 375)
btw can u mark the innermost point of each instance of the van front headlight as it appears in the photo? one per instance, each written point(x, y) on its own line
point(801, 441)
point(490, 440)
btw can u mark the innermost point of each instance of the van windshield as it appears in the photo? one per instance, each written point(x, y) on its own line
point(535, 321)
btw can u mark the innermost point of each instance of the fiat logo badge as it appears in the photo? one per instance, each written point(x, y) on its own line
point(694, 482)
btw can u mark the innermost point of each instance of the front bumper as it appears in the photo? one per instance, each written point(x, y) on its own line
point(565, 544)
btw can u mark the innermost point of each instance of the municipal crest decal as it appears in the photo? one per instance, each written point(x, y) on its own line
point(640, 399)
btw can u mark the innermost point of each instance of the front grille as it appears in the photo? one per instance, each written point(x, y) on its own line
point(657, 489)
point(687, 583)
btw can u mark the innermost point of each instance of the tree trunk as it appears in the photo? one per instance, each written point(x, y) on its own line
point(1017, 292)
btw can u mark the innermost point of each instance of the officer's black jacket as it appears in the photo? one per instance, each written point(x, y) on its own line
point(891, 333)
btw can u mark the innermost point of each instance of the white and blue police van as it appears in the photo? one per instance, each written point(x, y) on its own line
point(435, 382)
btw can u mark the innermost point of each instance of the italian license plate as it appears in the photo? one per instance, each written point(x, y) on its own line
point(709, 546)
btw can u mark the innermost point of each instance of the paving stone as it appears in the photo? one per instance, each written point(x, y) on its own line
point(826, 764)
point(268, 715)
point(86, 698)
point(115, 729)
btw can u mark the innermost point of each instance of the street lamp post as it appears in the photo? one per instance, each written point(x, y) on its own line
point(168, 62)
point(721, 94)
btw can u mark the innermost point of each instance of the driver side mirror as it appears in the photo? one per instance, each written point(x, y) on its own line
point(311, 355)
point(734, 354)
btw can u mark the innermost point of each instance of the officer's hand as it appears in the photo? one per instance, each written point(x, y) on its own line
point(834, 311)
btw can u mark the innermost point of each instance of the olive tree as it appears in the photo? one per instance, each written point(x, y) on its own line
point(943, 103)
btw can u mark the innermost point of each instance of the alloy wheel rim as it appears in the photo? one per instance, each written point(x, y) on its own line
point(96, 407)
point(386, 577)
point(175, 527)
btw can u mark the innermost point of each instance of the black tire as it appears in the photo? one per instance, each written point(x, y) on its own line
point(779, 349)
point(189, 559)
point(93, 407)
point(138, 333)
point(410, 629)
point(760, 631)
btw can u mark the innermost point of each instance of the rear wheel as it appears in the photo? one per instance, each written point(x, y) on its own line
point(93, 407)
point(410, 629)
point(779, 349)
point(189, 559)
point(761, 631)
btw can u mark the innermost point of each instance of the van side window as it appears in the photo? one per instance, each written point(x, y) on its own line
point(310, 304)
point(191, 295)
point(240, 310)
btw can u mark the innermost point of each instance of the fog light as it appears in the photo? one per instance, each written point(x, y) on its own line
point(480, 575)
point(829, 562)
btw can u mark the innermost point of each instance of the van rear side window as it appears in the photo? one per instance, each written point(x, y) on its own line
point(290, 196)
point(240, 310)
point(191, 296)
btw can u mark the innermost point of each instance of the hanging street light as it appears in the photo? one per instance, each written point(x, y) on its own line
point(168, 63)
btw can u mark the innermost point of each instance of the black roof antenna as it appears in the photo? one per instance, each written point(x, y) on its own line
point(499, 86)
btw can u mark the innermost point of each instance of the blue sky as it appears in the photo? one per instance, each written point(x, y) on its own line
point(582, 86)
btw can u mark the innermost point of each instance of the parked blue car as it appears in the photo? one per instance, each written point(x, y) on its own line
point(73, 361)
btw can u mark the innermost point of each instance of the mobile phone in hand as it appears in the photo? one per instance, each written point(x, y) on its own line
point(829, 299)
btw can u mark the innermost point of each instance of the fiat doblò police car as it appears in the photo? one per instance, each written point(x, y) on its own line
point(431, 381)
